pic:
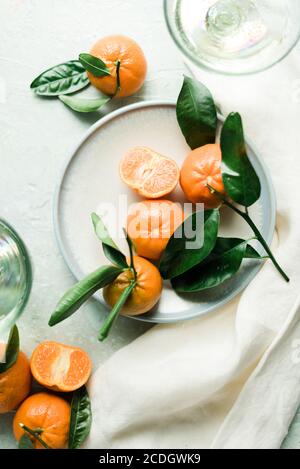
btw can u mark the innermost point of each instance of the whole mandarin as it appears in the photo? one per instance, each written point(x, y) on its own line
point(145, 294)
point(133, 65)
point(151, 223)
point(201, 167)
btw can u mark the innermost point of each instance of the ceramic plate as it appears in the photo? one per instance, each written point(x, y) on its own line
point(90, 182)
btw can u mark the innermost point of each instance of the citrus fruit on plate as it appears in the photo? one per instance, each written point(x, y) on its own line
point(147, 172)
point(90, 182)
point(15, 384)
point(47, 414)
point(151, 223)
point(60, 367)
point(145, 294)
point(133, 65)
point(202, 167)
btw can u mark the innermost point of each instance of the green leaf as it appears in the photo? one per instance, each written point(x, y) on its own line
point(82, 291)
point(131, 248)
point(178, 256)
point(110, 249)
point(94, 65)
point(108, 323)
point(25, 442)
point(196, 113)
point(239, 177)
point(251, 253)
point(223, 262)
point(81, 418)
point(84, 104)
point(61, 79)
point(12, 350)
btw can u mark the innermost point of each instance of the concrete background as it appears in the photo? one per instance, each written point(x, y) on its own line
point(36, 135)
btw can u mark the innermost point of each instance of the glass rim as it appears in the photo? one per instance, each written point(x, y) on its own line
point(205, 66)
point(23, 299)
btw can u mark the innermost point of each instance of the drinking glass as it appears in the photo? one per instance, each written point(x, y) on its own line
point(15, 277)
point(234, 37)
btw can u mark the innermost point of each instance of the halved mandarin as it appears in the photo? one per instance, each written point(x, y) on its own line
point(148, 173)
point(60, 367)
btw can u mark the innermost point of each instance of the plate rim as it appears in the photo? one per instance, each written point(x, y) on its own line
point(73, 268)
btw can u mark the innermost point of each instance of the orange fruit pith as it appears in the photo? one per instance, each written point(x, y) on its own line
point(151, 223)
point(201, 167)
point(133, 66)
point(145, 294)
point(148, 173)
point(15, 384)
point(48, 414)
point(60, 367)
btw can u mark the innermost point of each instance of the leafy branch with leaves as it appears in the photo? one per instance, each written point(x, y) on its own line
point(84, 289)
point(67, 78)
point(219, 258)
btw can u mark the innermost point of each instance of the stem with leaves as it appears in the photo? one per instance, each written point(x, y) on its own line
point(108, 323)
point(258, 235)
point(36, 434)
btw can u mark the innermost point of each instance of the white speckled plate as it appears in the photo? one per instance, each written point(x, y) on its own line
point(91, 177)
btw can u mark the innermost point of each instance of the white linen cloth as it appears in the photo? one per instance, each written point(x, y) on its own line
point(229, 379)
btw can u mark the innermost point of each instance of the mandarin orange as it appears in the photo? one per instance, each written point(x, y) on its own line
point(60, 367)
point(201, 167)
point(47, 414)
point(145, 294)
point(15, 384)
point(133, 65)
point(151, 223)
point(148, 173)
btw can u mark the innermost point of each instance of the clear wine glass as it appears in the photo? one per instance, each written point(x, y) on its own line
point(234, 37)
point(15, 277)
